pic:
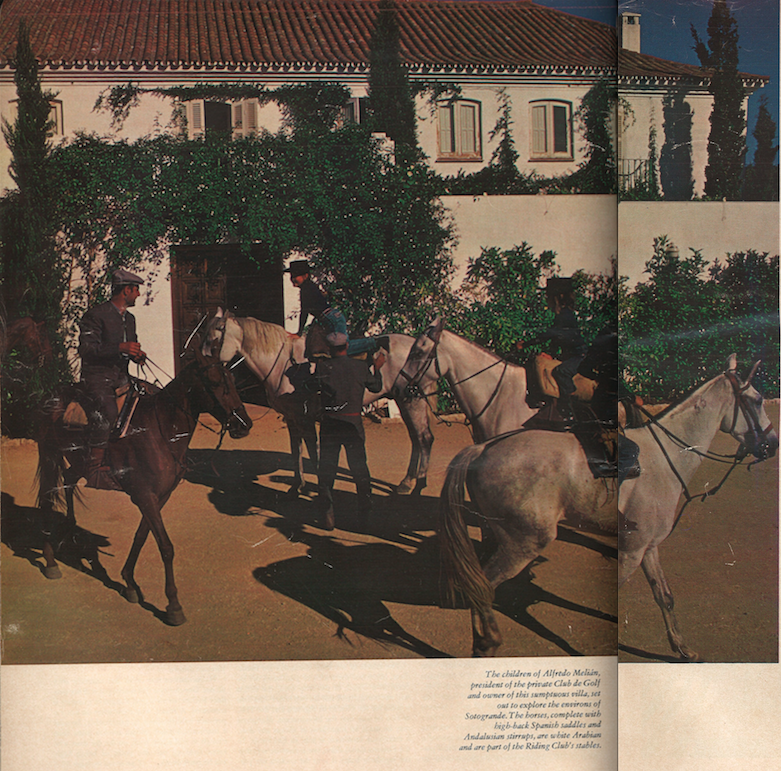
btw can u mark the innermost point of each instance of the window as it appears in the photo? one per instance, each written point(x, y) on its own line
point(55, 115)
point(240, 119)
point(356, 110)
point(551, 130)
point(459, 130)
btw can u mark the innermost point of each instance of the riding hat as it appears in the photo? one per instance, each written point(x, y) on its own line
point(124, 277)
point(337, 340)
point(297, 268)
point(559, 284)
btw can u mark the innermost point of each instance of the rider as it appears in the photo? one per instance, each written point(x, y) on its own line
point(315, 303)
point(601, 364)
point(563, 341)
point(107, 343)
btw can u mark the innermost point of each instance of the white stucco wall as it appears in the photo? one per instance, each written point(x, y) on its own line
point(715, 228)
point(79, 91)
point(581, 229)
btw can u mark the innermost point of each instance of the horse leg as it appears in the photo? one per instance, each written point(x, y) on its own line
point(414, 413)
point(150, 510)
point(664, 599)
point(51, 569)
point(296, 439)
point(501, 566)
point(132, 590)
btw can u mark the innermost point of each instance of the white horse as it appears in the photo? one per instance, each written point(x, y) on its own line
point(270, 351)
point(490, 391)
point(523, 484)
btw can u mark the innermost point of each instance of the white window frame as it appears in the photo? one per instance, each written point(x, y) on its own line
point(244, 118)
point(55, 115)
point(356, 111)
point(459, 132)
point(542, 134)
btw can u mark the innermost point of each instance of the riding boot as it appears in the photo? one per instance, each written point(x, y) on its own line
point(98, 474)
point(566, 413)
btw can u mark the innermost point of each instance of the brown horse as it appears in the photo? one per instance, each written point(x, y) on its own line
point(26, 334)
point(147, 464)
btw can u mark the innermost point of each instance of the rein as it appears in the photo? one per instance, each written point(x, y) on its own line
point(735, 459)
point(413, 382)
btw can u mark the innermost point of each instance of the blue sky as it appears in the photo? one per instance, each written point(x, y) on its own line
point(665, 32)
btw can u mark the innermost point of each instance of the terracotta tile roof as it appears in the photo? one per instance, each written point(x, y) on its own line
point(632, 65)
point(513, 33)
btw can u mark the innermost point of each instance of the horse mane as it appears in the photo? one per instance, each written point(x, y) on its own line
point(263, 336)
point(681, 402)
point(484, 349)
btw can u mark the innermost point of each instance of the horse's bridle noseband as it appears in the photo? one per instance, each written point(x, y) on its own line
point(742, 406)
point(413, 390)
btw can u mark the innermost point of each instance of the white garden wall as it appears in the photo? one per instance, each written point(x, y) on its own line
point(716, 228)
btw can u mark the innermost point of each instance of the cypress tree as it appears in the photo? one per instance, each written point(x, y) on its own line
point(762, 175)
point(30, 282)
point(726, 141)
point(390, 97)
point(32, 275)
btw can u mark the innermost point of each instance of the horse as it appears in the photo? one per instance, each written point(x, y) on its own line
point(147, 464)
point(274, 356)
point(28, 334)
point(490, 391)
point(525, 483)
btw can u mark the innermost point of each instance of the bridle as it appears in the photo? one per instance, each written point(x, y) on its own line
point(741, 406)
point(262, 380)
point(413, 389)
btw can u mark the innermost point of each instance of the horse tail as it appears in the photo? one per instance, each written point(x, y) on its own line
point(459, 558)
point(51, 459)
point(49, 475)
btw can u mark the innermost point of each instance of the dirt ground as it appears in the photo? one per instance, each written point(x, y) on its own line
point(259, 580)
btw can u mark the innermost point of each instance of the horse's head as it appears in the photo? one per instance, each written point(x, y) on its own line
point(222, 400)
point(747, 421)
point(421, 357)
point(222, 337)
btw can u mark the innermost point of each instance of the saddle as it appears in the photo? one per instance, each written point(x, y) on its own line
point(599, 442)
point(75, 416)
point(544, 364)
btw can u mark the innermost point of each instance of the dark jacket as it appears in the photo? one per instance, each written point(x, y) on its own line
point(102, 330)
point(342, 382)
point(563, 339)
point(313, 302)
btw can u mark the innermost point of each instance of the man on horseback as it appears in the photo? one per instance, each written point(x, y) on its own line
point(315, 303)
point(563, 341)
point(107, 344)
point(601, 364)
point(341, 382)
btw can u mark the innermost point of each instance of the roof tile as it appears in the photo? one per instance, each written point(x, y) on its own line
point(513, 33)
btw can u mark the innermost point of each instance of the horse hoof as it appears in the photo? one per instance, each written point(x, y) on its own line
point(688, 656)
point(405, 488)
point(52, 572)
point(175, 617)
point(131, 595)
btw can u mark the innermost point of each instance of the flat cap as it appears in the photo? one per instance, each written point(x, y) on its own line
point(122, 277)
point(337, 339)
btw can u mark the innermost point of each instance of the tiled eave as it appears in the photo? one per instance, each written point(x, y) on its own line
point(418, 70)
point(750, 83)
